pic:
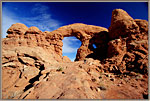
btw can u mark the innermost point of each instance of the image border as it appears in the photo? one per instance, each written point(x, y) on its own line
point(74, 1)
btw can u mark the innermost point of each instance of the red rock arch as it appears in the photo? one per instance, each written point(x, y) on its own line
point(35, 37)
point(82, 32)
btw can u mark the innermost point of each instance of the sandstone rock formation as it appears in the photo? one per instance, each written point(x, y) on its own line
point(122, 25)
point(17, 28)
point(82, 32)
point(33, 66)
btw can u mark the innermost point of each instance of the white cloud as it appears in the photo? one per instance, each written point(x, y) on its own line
point(70, 46)
point(43, 19)
point(39, 8)
point(7, 21)
point(43, 22)
point(68, 42)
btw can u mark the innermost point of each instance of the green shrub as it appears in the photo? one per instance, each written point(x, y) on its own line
point(60, 69)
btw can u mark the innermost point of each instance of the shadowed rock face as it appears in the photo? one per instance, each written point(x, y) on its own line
point(33, 66)
point(143, 25)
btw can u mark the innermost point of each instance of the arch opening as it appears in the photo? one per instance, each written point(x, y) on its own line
point(70, 47)
point(94, 46)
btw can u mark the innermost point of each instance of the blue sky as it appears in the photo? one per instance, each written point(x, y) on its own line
point(48, 16)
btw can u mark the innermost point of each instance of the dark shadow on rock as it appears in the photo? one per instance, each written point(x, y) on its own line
point(100, 41)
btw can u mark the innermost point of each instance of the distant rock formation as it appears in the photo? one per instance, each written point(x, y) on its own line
point(33, 66)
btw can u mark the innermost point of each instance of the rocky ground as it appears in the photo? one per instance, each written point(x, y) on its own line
point(33, 66)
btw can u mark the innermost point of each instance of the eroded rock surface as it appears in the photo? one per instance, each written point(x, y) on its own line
point(33, 66)
point(122, 24)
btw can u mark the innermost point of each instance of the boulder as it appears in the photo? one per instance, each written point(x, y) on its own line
point(33, 30)
point(17, 28)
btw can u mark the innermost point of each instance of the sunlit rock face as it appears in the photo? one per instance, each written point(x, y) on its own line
point(115, 68)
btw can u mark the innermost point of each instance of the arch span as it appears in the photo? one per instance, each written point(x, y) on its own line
point(87, 34)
